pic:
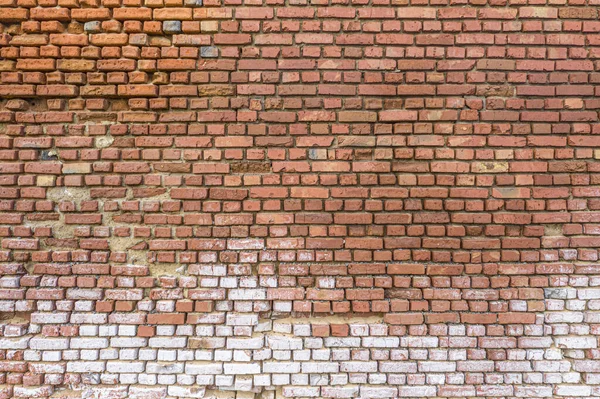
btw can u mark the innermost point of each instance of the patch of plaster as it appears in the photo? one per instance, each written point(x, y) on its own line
point(553, 230)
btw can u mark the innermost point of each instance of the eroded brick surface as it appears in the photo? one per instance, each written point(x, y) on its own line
point(261, 199)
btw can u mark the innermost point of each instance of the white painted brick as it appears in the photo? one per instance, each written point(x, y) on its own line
point(128, 379)
point(378, 392)
point(320, 367)
point(241, 319)
point(280, 379)
point(358, 367)
point(281, 367)
point(242, 356)
point(262, 354)
point(185, 355)
point(282, 306)
point(128, 331)
point(378, 329)
point(247, 294)
point(262, 380)
point(104, 392)
point(84, 293)
point(398, 367)
point(7, 306)
point(79, 306)
point(89, 354)
point(204, 331)
point(359, 330)
point(108, 330)
point(184, 379)
point(186, 392)
point(49, 344)
point(184, 330)
point(495, 390)
point(49, 318)
point(571, 378)
point(166, 379)
point(88, 318)
point(147, 354)
point(85, 367)
point(533, 391)
point(592, 317)
point(164, 368)
point(109, 353)
point(10, 282)
point(313, 343)
point(89, 331)
point(563, 317)
point(242, 383)
point(224, 380)
point(196, 368)
point(139, 392)
point(434, 379)
point(223, 355)
point(24, 306)
point(458, 391)
point(416, 391)
point(419, 342)
point(588, 293)
point(380, 342)
point(475, 365)
point(301, 330)
point(165, 306)
point(321, 354)
point(437, 367)
point(342, 342)
point(89, 343)
point(535, 342)
point(165, 330)
point(203, 355)
point(574, 342)
point(338, 379)
point(171, 342)
point(241, 368)
point(573, 390)
point(70, 355)
point(47, 368)
point(15, 330)
point(513, 366)
point(283, 343)
point(340, 354)
point(124, 367)
point(205, 380)
point(554, 366)
point(128, 342)
point(309, 392)
point(32, 392)
point(14, 343)
point(318, 380)
point(166, 355)
point(245, 343)
point(47, 356)
point(339, 392)
point(282, 355)
point(147, 379)
point(302, 355)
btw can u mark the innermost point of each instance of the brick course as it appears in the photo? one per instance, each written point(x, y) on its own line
point(269, 199)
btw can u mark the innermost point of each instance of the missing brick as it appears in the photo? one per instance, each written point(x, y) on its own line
point(251, 167)
point(553, 230)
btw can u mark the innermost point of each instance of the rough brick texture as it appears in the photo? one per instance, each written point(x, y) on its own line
point(269, 199)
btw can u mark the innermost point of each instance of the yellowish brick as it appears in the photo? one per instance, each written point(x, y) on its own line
point(45, 181)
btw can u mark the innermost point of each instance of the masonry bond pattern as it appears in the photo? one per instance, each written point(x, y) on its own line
point(267, 199)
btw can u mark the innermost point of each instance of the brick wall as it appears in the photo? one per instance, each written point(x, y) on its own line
point(257, 199)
